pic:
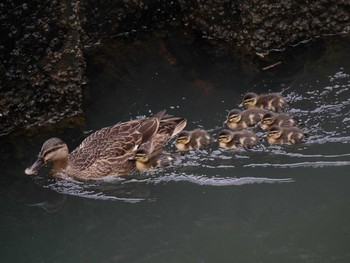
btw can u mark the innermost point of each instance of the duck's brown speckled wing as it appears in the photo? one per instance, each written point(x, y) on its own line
point(107, 150)
point(169, 127)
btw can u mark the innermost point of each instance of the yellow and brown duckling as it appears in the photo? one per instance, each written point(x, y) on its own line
point(191, 140)
point(107, 151)
point(239, 120)
point(284, 135)
point(147, 161)
point(232, 140)
point(279, 119)
point(271, 101)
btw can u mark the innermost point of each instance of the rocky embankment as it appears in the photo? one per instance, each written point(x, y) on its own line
point(43, 44)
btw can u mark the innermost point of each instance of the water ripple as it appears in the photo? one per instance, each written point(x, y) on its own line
point(216, 181)
point(319, 164)
point(134, 190)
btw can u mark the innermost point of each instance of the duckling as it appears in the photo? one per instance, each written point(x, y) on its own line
point(271, 101)
point(270, 119)
point(190, 140)
point(147, 161)
point(232, 140)
point(284, 135)
point(239, 120)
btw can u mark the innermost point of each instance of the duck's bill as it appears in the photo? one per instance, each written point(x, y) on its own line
point(35, 167)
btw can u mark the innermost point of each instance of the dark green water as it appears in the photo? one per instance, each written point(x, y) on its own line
point(271, 204)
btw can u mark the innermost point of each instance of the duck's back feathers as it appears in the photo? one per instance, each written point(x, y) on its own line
point(104, 151)
point(271, 101)
point(169, 127)
point(107, 150)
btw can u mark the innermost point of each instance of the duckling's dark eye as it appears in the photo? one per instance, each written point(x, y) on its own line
point(232, 117)
point(181, 138)
point(248, 101)
point(267, 120)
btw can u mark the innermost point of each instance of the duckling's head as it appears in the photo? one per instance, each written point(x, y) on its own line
point(53, 150)
point(142, 155)
point(225, 136)
point(234, 116)
point(268, 118)
point(275, 132)
point(250, 99)
point(183, 137)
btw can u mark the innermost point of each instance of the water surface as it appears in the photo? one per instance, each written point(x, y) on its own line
point(269, 204)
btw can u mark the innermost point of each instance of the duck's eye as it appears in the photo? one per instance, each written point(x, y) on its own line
point(52, 150)
point(221, 138)
point(267, 120)
point(248, 101)
point(181, 139)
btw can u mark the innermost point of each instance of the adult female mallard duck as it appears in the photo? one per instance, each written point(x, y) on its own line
point(239, 120)
point(191, 140)
point(232, 140)
point(284, 135)
point(107, 151)
point(270, 101)
point(279, 119)
point(147, 161)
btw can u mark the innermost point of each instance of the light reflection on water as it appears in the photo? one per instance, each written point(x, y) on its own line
point(113, 188)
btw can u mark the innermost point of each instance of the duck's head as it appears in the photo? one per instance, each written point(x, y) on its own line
point(250, 99)
point(142, 155)
point(234, 116)
point(53, 150)
point(183, 137)
point(225, 136)
point(274, 132)
point(267, 120)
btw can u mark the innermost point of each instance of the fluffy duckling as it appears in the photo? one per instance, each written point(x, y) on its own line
point(284, 135)
point(232, 140)
point(270, 101)
point(146, 161)
point(190, 140)
point(279, 119)
point(239, 120)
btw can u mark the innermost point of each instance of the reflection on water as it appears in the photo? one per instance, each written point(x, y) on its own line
point(267, 204)
point(53, 205)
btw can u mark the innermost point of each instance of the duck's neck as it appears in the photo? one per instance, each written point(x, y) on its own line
point(59, 166)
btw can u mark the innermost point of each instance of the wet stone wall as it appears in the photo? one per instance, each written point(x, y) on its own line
point(42, 65)
point(264, 25)
point(43, 43)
